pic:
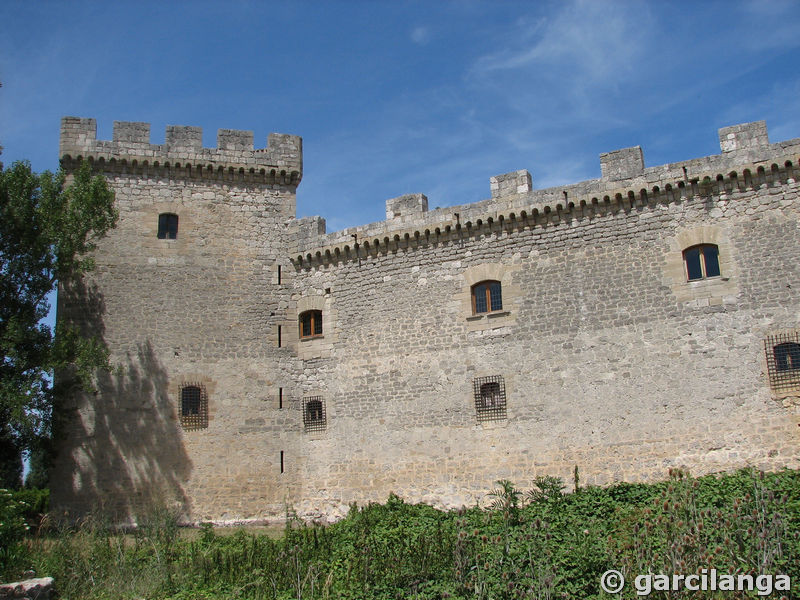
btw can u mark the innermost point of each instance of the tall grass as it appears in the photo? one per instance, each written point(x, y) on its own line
point(542, 544)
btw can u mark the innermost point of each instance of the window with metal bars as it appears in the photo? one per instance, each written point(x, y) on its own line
point(701, 262)
point(487, 296)
point(167, 226)
point(783, 360)
point(314, 418)
point(310, 324)
point(490, 398)
point(194, 406)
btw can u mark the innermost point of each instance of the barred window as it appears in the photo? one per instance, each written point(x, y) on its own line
point(167, 226)
point(490, 398)
point(310, 323)
point(487, 296)
point(194, 407)
point(783, 360)
point(701, 262)
point(314, 418)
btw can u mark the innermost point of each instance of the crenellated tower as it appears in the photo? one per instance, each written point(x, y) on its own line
point(189, 295)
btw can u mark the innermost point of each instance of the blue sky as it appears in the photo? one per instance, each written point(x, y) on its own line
point(403, 97)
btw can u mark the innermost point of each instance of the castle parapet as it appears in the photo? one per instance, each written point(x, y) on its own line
point(744, 136)
point(409, 204)
point(516, 182)
point(282, 159)
point(622, 164)
point(747, 161)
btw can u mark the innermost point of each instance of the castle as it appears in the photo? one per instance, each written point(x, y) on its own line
point(646, 319)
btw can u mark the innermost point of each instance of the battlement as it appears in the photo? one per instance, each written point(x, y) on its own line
point(747, 160)
point(281, 159)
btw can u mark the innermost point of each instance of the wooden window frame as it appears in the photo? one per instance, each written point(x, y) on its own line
point(490, 308)
point(703, 263)
point(165, 229)
point(314, 319)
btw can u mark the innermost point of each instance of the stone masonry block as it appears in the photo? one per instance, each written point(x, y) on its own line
point(234, 139)
point(622, 164)
point(409, 204)
point(746, 135)
point(516, 182)
point(77, 132)
point(182, 137)
point(127, 131)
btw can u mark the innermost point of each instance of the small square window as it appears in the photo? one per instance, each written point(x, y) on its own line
point(310, 324)
point(487, 296)
point(783, 361)
point(490, 398)
point(193, 406)
point(702, 262)
point(314, 417)
point(167, 226)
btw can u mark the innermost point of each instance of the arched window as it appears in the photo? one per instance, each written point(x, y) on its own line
point(194, 407)
point(314, 413)
point(787, 356)
point(487, 296)
point(701, 262)
point(310, 323)
point(167, 226)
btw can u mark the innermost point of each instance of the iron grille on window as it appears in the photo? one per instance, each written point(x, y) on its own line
point(194, 406)
point(167, 226)
point(490, 398)
point(314, 418)
point(783, 360)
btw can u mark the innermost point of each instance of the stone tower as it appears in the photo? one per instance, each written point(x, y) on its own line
point(188, 296)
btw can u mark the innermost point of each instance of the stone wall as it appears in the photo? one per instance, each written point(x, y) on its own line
point(609, 359)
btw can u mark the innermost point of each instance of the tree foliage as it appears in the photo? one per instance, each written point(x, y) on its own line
point(47, 233)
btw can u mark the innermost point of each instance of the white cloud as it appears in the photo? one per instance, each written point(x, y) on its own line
point(420, 35)
point(586, 41)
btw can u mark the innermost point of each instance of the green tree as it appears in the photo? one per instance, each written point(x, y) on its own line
point(47, 233)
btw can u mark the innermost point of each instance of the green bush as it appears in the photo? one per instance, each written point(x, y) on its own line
point(552, 545)
point(12, 518)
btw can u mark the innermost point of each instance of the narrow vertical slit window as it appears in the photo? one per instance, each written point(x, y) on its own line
point(279, 274)
point(280, 397)
point(282, 470)
point(279, 336)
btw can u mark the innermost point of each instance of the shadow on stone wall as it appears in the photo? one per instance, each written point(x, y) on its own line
point(119, 451)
